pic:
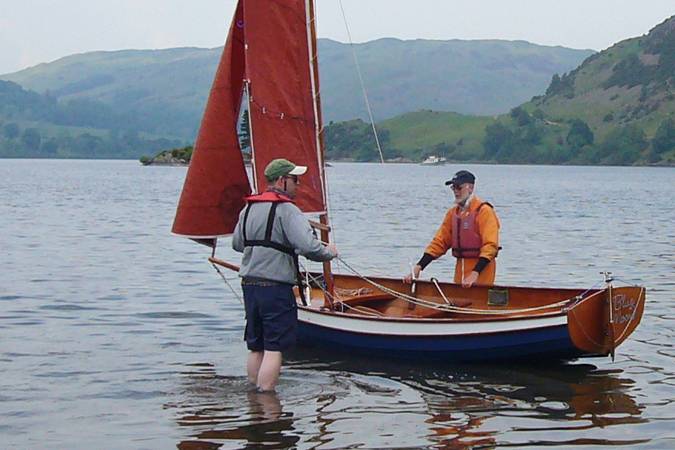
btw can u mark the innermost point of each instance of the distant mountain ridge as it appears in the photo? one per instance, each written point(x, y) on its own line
point(165, 90)
point(617, 107)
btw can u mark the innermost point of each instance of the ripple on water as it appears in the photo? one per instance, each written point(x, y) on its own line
point(68, 307)
point(162, 305)
point(172, 315)
point(221, 409)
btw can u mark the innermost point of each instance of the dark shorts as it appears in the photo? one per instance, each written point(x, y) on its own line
point(271, 317)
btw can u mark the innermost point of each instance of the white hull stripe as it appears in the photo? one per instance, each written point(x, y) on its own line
point(417, 328)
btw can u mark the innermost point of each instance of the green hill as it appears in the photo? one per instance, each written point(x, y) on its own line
point(626, 95)
point(38, 126)
point(164, 91)
point(632, 82)
point(411, 136)
point(481, 77)
point(617, 107)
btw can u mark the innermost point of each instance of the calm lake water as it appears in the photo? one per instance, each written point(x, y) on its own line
point(115, 334)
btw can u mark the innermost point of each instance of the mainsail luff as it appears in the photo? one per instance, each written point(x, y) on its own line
point(216, 182)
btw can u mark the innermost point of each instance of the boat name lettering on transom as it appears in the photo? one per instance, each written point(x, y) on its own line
point(623, 307)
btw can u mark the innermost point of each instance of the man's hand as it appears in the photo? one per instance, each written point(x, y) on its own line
point(333, 249)
point(470, 279)
point(415, 274)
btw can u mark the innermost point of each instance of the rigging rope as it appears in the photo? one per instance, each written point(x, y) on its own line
point(447, 307)
point(363, 86)
point(333, 300)
point(451, 308)
point(228, 283)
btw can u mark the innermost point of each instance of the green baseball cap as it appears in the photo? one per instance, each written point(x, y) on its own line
point(281, 168)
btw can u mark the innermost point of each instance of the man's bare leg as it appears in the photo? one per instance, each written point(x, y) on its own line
point(253, 366)
point(268, 375)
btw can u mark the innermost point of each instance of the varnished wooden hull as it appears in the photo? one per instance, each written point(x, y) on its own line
point(535, 322)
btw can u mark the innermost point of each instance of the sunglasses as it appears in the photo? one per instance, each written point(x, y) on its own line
point(295, 178)
point(454, 187)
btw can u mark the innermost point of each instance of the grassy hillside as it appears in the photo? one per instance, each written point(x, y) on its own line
point(570, 124)
point(425, 129)
point(411, 136)
point(631, 82)
point(165, 90)
point(37, 126)
point(479, 77)
point(631, 85)
point(617, 107)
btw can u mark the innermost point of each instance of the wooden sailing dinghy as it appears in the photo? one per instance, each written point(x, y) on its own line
point(270, 64)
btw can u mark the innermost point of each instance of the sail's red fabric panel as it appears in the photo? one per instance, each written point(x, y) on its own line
point(216, 181)
point(283, 121)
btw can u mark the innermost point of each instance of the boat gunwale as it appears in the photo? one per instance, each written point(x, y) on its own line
point(451, 284)
point(492, 317)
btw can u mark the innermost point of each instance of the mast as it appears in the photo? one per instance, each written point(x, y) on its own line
point(314, 69)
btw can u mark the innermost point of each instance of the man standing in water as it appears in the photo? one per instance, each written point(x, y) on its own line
point(271, 232)
point(471, 230)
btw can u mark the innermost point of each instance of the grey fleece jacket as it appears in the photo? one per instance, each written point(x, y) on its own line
point(291, 228)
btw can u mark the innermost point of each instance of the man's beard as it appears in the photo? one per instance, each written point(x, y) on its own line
point(463, 203)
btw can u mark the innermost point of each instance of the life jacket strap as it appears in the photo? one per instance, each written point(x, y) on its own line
point(269, 243)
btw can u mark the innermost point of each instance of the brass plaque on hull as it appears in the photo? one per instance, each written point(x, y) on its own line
point(498, 297)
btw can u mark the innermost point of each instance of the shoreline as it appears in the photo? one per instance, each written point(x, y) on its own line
point(338, 161)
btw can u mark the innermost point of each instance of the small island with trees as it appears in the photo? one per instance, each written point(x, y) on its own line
point(173, 157)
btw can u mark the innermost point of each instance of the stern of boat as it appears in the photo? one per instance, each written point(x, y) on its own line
point(601, 322)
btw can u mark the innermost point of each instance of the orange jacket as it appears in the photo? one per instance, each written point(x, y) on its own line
point(488, 228)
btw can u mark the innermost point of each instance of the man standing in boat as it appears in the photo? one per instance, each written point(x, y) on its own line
point(271, 232)
point(471, 230)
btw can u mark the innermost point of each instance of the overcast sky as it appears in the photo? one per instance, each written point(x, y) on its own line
point(36, 31)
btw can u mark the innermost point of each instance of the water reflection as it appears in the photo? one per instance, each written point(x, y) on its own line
point(359, 403)
point(545, 404)
point(225, 409)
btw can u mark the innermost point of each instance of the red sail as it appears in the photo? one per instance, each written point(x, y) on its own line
point(216, 181)
point(283, 92)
